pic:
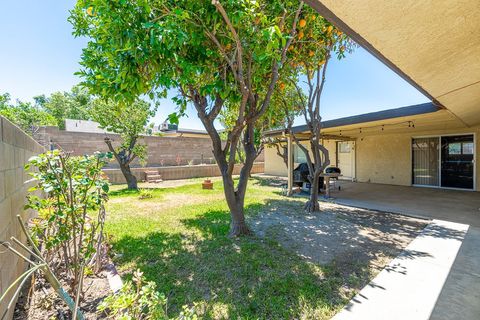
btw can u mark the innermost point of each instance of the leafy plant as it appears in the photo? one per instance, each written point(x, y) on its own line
point(140, 300)
point(145, 194)
point(71, 216)
point(67, 235)
point(24, 114)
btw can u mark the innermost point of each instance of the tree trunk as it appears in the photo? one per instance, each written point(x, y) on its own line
point(235, 200)
point(127, 173)
point(312, 204)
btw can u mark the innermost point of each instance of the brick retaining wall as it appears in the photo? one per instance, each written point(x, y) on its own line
point(178, 172)
point(16, 148)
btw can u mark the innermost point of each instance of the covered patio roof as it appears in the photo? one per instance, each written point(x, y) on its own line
point(432, 44)
point(426, 116)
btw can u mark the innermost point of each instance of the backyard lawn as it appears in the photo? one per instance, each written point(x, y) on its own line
point(178, 239)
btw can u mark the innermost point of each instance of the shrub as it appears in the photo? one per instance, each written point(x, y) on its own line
point(140, 300)
point(145, 194)
point(71, 215)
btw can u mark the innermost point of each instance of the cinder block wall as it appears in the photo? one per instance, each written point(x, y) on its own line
point(16, 148)
point(162, 151)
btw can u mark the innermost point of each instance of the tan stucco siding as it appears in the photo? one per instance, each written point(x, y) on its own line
point(274, 164)
point(382, 158)
point(387, 158)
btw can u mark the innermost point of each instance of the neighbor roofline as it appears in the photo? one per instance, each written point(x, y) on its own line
point(413, 110)
point(339, 23)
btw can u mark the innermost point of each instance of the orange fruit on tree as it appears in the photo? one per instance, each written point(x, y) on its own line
point(329, 29)
point(313, 17)
point(90, 11)
point(300, 35)
point(282, 86)
point(311, 53)
point(302, 23)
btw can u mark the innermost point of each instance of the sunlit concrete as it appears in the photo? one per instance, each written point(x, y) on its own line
point(433, 203)
point(408, 287)
point(454, 294)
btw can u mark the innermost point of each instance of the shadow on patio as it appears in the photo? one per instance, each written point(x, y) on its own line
point(450, 205)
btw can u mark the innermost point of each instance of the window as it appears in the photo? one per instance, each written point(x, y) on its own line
point(454, 148)
point(344, 147)
point(467, 148)
point(460, 148)
point(298, 155)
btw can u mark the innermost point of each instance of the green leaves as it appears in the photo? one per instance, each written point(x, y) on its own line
point(127, 120)
point(67, 224)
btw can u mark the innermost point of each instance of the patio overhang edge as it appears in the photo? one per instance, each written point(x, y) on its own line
point(361, 119)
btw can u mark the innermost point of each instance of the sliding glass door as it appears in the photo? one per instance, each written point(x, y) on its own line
point(446, 161)
point(425, 161)
point(457, 162)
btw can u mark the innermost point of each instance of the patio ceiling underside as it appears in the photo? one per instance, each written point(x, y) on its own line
point(433, 44)
point(441, 120)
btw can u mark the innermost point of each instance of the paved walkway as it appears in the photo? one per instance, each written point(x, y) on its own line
point(438, 275)
point(408, 287)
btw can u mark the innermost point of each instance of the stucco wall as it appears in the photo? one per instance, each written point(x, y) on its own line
point(387, 158)
point(15, 149)
point(274, 164)
point(382, 158)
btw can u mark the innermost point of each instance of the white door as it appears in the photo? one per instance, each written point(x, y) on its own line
point(346, 158)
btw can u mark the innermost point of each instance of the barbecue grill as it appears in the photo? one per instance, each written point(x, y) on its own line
point(300, 175)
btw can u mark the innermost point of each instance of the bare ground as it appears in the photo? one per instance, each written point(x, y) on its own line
point(346, 236)
point(43, 303)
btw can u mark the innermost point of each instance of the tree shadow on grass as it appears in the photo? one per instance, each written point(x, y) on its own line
point(231, 278)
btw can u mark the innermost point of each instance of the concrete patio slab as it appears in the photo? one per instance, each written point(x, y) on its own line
point(432, 203)
point(408, 288)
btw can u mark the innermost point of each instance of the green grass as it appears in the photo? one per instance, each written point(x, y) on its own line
point(182, 246)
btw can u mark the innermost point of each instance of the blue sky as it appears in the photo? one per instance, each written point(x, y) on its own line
point(39, 56)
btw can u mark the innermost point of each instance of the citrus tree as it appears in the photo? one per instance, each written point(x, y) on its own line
point(129, 122)
point(318, 41)
point(219, 55)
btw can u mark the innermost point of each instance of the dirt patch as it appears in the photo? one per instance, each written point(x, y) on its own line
point(144, 207)
point(170, 183)
point(43, 303)
point(346, 236)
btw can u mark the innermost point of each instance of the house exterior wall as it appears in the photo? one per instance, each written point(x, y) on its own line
point(384, 158)
point(387, 158)
point(275, 166)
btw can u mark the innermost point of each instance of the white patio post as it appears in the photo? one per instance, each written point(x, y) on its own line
point(290, 165)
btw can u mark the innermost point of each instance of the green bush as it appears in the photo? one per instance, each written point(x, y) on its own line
point(140, 300)
point(71, 214)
